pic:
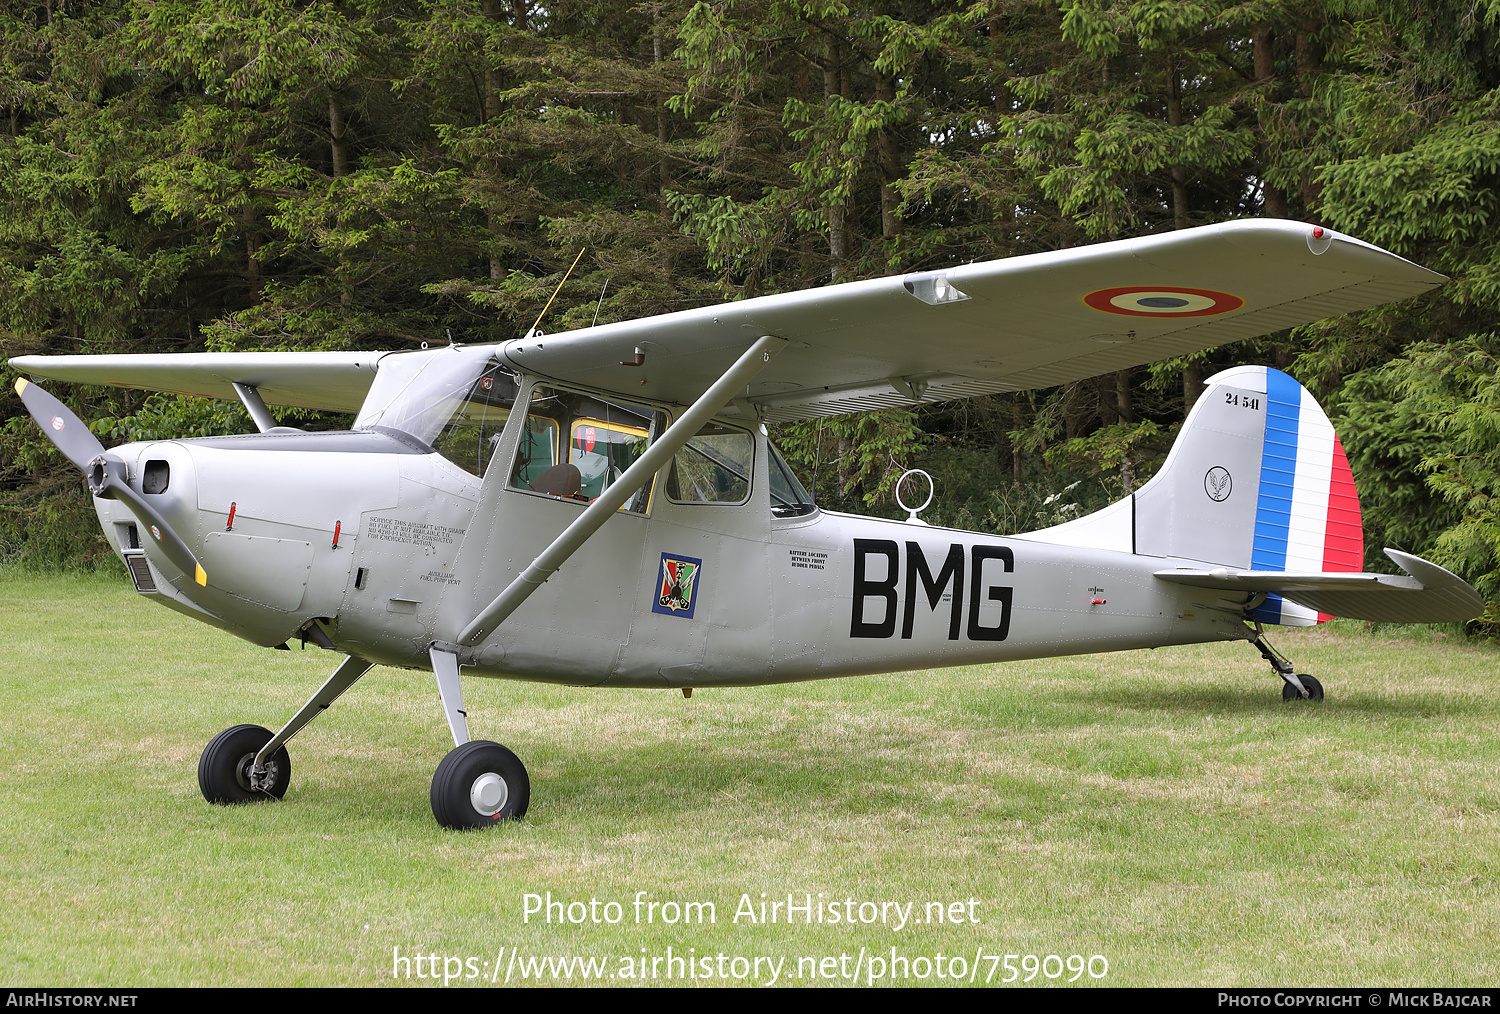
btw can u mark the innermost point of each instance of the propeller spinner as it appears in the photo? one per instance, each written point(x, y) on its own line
point(105, 473)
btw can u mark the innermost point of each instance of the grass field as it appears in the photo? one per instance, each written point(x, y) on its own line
point(1162, 810)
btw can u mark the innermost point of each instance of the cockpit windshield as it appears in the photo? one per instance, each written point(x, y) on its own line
point(454, 400)
point(418, 392)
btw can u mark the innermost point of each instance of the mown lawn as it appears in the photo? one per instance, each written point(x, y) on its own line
point(1163, 811)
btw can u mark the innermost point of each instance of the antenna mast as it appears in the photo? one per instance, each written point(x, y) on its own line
point(555, 292)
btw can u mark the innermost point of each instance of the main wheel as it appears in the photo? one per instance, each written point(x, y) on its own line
point(224, 768)
point(478, 785)
point(1314, 689)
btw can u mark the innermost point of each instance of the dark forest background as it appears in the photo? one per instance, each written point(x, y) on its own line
point(232, 174)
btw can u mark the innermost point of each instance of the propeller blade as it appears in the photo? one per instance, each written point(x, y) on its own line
point(106, 477)
point(105, 474)
point(66, 431)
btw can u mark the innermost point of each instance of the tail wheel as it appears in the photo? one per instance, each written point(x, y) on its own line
point(1314, 689)
point(224, 768)
point(479, 784)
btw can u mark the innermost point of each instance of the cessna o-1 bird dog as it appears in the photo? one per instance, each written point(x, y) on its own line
point(487, 496)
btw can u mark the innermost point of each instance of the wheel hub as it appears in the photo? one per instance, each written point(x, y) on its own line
point(245, 772)
point(489, 794)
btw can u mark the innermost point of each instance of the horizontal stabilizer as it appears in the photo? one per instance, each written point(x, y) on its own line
point(1430, 595)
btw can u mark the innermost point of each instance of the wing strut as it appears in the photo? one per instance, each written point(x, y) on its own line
point(636, 476)
point(251, 399)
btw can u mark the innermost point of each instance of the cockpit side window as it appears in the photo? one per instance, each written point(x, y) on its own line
point(538, 451)
point(575, 446)
point(473, 431)
point(601, 450)
point(713, 467)
point(789, 499)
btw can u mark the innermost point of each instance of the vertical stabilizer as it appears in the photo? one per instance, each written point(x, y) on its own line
point(1257, 480)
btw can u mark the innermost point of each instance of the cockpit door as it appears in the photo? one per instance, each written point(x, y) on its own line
point(702, 595)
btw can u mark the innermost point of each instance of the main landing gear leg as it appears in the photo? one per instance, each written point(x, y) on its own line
point(247, 763)
point(1296, 686)
point(479, 783)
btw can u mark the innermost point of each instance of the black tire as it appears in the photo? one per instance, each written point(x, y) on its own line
point(1314, 689)
point(224, 768)
point(479, 784)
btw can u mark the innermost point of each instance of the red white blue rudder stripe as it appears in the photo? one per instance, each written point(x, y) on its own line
point(1307, 514)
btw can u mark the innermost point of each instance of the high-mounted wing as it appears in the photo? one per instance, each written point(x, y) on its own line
point(332, 381)
point(991, 326)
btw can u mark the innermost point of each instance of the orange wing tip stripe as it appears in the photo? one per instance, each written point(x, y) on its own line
point(1167, 301)
point(201, 576)
point(20, 385)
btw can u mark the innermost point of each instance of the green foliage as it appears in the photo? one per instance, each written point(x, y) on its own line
point(971, 494)
point(837, 136)
point(1386, 438)
point(53, 528)
point(1133, 450)
point(1112, 132)
point(862, 454)
point(169, 416)
point(734, 236)
point(1436, 199)
point(1456, 388)
point(178, 175)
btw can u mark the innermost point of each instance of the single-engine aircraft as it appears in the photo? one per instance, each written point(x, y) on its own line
point(603, 507)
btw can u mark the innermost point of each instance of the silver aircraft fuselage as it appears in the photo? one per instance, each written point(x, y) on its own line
point(377, 546)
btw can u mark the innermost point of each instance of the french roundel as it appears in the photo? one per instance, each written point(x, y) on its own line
point(1136, 301)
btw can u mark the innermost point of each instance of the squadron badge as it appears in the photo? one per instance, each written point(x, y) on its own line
point(677, 586)
point(1217, 484)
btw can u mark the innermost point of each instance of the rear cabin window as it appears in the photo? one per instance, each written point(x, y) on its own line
point(789, 498)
